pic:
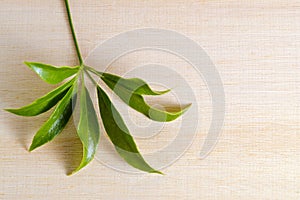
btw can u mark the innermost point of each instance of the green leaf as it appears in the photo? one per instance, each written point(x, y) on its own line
point(57, 121)
point(44, 103)
point(137, 102)
point(136, 85)
point(119, 134)
point(52, 74)
point(88, 128)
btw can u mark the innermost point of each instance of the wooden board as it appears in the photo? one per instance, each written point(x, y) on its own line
point(255, 45)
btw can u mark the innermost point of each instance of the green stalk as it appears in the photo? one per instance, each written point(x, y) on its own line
point(73, 33)
point(91, 78)
point(93, 70)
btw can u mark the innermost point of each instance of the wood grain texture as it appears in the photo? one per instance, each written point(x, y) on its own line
point(255, 46)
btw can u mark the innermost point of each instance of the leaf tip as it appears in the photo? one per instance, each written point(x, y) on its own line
point(8, 110)
point(27, 63)
point(157, 172)
point(17, 111)
point(76, 170)
point(14, 111)
point(80, 167)
point(163, 92)
point(72, 173)
point(187, 106)
point(33, 147)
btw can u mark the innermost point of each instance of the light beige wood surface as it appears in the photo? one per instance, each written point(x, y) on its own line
point(255, 46)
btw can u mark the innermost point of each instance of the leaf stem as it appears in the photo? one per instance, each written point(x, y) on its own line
point(73, 32)
point(91, 78)
point(94, 71)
